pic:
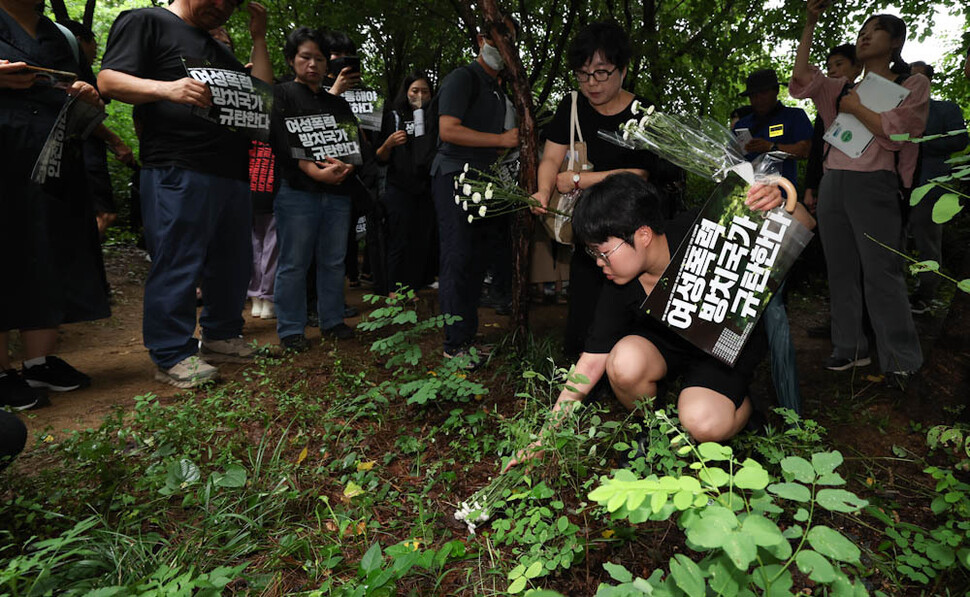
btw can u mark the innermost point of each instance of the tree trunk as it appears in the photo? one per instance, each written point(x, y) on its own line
point(523, 225)
point(60, 11)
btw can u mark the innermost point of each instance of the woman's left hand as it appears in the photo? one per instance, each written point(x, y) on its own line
point(850, 102)
point(762, 197)
point(85, 93)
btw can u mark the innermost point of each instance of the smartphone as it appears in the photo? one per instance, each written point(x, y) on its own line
point(338, 64)
point(743, 136)
point(48, 76)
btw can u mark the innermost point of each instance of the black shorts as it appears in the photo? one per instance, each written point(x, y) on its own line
point(696, 368)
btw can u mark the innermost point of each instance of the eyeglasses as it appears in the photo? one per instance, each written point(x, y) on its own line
point(604, 256)
point(600, 75)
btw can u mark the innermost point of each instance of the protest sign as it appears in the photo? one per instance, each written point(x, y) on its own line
point(239, 101)
point(368, 107)
point(318, 136)
point(75, 121)
point(723, 274)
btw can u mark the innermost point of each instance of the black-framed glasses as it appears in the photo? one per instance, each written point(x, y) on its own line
point(599, 74)
point(601, 255)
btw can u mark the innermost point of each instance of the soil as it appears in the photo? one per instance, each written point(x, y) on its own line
point(865, 419)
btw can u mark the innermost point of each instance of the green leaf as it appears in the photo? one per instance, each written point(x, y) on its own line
point(919, 192)
point(946, 207)
point(687, 575)
point(517, 585)
point(840, 500)
point(815, 566)
point(182, 473)
point(617, 572)
point(826, 462)
point(683, 500)
point(791, 491)
point(924, 266)
point(831, 543)
point(762, 531)
point(741, 549)
point(714, 451)
point(721, 574)
point(235, 476)
point(752, 477)
point(517, 572)
point(964, 285)
point(534, 570)
point(712, 526)
point(714, 476)
point(801, 515)
point(799, 468)
point(372, 559)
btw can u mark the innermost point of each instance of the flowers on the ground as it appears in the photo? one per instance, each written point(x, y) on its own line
point(479, 507)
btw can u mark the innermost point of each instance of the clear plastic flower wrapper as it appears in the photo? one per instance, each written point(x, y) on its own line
point(733, 259)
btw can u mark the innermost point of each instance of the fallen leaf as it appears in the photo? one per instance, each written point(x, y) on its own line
point(353, 490)
point(608, 533)
point(875, 378)
point(302, 456)
point(365, 466)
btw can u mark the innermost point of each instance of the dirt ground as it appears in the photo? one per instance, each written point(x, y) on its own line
point(111, 352)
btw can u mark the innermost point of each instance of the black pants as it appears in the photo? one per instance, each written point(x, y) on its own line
point(13, 437)
point(409, 226)
point(585, 282)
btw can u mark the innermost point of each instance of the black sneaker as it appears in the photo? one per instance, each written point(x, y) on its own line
point(341, 331)
point(898, 380)
point(295, 343)
point(834, 363)
point(15, 393)
point(55, 375)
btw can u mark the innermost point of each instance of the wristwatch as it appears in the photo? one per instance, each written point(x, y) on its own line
point(576, 181)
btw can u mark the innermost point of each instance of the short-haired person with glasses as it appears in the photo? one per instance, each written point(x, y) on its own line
point(598, 57)
point(620, 224)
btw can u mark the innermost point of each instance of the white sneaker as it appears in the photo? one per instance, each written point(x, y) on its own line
point(257, 307)
point(269, 312)
point(233, 350)
point(190, 372)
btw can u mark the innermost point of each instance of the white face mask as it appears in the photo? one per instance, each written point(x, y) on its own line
point(492, 57)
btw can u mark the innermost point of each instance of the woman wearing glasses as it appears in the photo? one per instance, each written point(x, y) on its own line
point(598, 57)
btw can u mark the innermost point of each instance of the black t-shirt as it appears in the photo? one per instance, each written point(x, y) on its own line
point(619, 308)
point(476, 99)
point(296, 99)
point(603, 154)
point(150, 43)
point(401, 170)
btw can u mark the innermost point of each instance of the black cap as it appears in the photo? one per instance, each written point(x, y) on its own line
point(760, 80)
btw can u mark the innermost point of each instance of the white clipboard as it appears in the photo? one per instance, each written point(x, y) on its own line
point(847, 133)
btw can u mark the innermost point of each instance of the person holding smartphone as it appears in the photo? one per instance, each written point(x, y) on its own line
point(859, 199)
point(53, 271)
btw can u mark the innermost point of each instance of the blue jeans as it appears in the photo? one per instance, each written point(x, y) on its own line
point(197, 227)
point(307, 225)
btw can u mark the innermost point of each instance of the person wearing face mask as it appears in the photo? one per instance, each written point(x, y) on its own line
point(410, 214)
point(471, 130)
point(860, 202)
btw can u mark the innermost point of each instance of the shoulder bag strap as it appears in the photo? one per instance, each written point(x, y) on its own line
point(574, 129)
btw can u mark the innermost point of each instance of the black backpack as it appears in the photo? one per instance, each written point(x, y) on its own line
point(426, 146)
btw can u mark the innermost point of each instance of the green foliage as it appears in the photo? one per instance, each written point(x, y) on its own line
point(734, 514)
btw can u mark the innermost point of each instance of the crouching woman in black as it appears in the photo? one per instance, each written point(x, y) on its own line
point(622, 227)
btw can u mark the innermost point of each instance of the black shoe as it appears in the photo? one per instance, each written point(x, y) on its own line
point(55, 375)
point(350, 311)
point(341, 331)
point(295, 343)
point(898, 380)
point(15, 393)
point(834, 363)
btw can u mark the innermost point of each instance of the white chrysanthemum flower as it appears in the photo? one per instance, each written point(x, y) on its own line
point(461, 177)
point(650, 110)
point(477, 197)
point(464, 205)
point(631, 122)
point(644, 121)
point(457, 199)
point(635, 106)
point(481, 211)
point(470, 218)
point(456, 184)
point(465, 169)
point(466, 190)
point(626, 135)
point(489, 194)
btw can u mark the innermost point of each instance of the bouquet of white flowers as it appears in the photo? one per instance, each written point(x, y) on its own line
point(486, 195)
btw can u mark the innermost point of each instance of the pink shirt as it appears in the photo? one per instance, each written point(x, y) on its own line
point(909, 117)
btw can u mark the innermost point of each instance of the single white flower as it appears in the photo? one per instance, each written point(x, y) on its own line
point(650, 110)
point(635, 106)
point(466, 189)
point(465, 169)
point(488, 193)
point(464, 205)
point(631, 122)
point(456, 184)
point(477, 197)
point(626, 135)
point(461, 177)
point(457, 199)
point(481, 211)
point(644, 121)
point(470, 218)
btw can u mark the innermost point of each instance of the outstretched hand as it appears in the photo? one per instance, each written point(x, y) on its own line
point(815, 9)
point(530, 452)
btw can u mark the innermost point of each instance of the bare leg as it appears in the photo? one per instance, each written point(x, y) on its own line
point(39, 343)
point(709, 416)
point(634, 367)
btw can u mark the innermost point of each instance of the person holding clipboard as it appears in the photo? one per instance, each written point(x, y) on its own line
point(859, 199)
